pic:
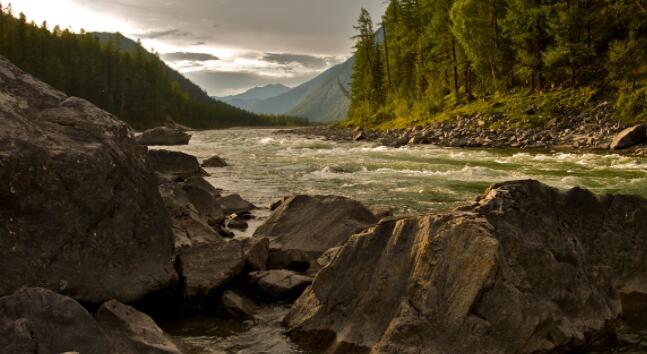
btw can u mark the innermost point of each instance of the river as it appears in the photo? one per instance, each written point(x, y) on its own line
point(265, 166)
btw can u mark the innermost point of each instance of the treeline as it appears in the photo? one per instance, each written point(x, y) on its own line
point(431, 54)
point(133, 85)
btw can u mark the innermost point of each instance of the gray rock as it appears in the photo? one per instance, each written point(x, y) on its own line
point(236, 306)
point(233, 203)
point(279, 285)
point(36, 320)
point(313, 224)
point(174, 164)
point(80, 212)
point(206, 269)
point(236, 221)
point(256, 253)
point(511, 274)
point(163, 136)
point(214, 162)
point(629, 137)
point(132, 332)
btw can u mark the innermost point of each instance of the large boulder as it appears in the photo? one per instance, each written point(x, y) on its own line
point(515, 273)
point(79, 211)
point(235, 305)
point(132, 332)
point(234, 203)
point(174, 165)
point(36, 320)
point(214, 161)
point(303, 227)
point(163, 136)
point(629, 137)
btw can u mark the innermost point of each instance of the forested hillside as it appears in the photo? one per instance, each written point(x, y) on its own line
point(468, 55)
point(134, 85)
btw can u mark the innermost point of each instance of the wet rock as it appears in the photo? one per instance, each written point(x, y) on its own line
point(214, 162)
point(174, 164)
point(629, 137)
point(279, 285)
point(80, 212)
point(204, 197)
point(313, 224)
point(292, 259)
point(511, 274)
point(36, 320)
point(132, 332)
point(236, 221)
point(360, 136)
point(207, 268)
point(237, 306)
point(233, 203)
point(163, 136)
point(277, 204)
point(256, 253)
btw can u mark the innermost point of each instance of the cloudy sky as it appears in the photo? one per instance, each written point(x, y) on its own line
point(226, 46)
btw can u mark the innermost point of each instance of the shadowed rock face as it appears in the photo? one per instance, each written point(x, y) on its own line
point(528, 268)
point(79, 212)
point(164, 136)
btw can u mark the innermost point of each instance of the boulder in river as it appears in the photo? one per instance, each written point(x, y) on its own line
point(132, 332)
point(279, 285)
point(256, 252)
point(214, 162)
point(36, 320)
point(629, 137)
point(79, 211)
point(234, 203)
point(511, 274)
point(235, 305)
point(163, 136)
point(174, 164)
point(311, 225)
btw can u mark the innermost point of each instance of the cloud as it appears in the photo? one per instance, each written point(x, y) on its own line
point(180, 56)
point(223, 83)
point(305, 60)
point(155, 34)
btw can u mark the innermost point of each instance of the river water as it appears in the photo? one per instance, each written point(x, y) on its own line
point(266, 165)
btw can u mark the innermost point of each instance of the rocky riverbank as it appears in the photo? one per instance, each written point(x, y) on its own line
point(100, 237)
point(588, 131)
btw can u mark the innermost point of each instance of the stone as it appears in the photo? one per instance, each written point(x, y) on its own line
point(80, 212)
point(132, 332)
point(629, 137)
point(233, 203)
point(360, 136)
point(234, 305)
point(36, 320)
point(313, 224)
point(514, 273)
point(214, 162)
point(256, 250)
point(279, 285)
point(236, 221)
point(163, 136)
point(174, 164)
point(292, 259)
point(207, 268)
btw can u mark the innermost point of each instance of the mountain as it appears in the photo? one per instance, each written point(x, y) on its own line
point(319, 100)
point(249, 98)
point(126, 44)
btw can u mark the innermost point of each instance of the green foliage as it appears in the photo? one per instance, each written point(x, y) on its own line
point(133, 84)
point(442, 58)
point(631, 106)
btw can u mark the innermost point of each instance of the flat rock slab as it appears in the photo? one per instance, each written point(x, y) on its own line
point(279, 285)
point(163, 136)
point(80, 212)
point(132, 332)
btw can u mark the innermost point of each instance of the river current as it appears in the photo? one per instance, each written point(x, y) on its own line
point(265, 165)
